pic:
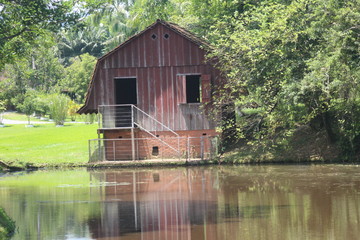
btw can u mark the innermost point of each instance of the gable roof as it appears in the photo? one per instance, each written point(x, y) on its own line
point(176, 28)
point(172, 26)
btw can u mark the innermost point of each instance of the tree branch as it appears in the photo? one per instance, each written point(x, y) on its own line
point(25, 29)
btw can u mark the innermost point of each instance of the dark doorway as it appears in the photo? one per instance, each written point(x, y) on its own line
point(125, 93)
point(193, 88)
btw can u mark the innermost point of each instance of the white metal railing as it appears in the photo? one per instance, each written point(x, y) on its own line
point(129, 116)
point(116, 116)
point(190, 148)
point(148, 122)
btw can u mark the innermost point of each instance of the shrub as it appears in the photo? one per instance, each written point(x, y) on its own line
point(7, 225)
point(73, 107)
point(2, 109)
point(28, 105)
point(58, 106)
point(41, 105)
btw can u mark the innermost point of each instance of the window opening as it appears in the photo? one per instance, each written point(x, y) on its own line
point(166, 35)
point(193, 89)
point(156, 177)
point(155, 151)
point(153, 36)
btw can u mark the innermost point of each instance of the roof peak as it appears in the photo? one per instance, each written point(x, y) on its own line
point(173, 26)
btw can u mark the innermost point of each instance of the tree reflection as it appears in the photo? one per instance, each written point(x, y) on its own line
point(219, 202)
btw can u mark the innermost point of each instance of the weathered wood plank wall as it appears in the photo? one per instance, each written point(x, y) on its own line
point(156, 64)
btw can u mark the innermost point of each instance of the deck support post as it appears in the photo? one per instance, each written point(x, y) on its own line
point(89, 146)
point(114, 152)
point(188, 149)
point(178, 147)
point(133, 144)
point(135, 200)
point(132, 133)
point(202, 147)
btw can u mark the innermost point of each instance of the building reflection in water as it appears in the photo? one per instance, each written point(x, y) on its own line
point(248, 202)
point(161, 205)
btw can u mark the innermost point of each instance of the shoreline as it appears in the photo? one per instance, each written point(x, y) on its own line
point(4, 167)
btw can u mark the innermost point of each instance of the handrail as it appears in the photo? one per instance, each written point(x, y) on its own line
point(117, 105)
point(163, 142)
point(164, 126)
point(136, 119)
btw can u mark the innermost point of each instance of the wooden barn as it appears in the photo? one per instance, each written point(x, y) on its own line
point(151, 93)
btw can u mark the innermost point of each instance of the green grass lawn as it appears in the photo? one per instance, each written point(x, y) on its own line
point(46, 145)
point(23, 117)
point(20, 117)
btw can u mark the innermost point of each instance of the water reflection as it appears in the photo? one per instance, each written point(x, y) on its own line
point(296, 202)
point(165, 204)
point(244, 202)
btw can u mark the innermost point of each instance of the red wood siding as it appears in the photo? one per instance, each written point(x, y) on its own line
point(157, 64)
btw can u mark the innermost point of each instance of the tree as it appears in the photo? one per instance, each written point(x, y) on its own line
point(298, 61)
point(76, 42)
point(2, 109)
point(28, 105)
point(72, 110)
point(113, 17)
point(146, 12)
point(41, 102)
point(40, 71)
point(23, 21)
point(78, 76)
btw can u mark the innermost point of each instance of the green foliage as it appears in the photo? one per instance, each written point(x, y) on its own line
point(41, 102)
point(7, 225)
point(44, 67)
point(2, 109)
point(40, 71)
point(299, 60)
point(76, 42)
point(113, 18)
point(78, 76)
point(90, 118)
point(146, 12)
point(57, 187)
point(72, 110)
point(23, 21)
point(28, 105)
point(58, 108)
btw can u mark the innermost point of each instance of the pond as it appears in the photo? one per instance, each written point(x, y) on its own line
point(217, 202)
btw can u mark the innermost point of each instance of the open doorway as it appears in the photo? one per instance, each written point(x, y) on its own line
point(125, 93)
point(193, 89)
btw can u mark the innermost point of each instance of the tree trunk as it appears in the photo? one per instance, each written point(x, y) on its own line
point(327, 124)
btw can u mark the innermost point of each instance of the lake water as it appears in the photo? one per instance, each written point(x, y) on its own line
point(217, 202)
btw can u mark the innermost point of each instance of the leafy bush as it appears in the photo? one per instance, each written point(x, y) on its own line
point(58, 106)
point(90, 118)
point(41, 105)
point(2, 109)
point(7, 225)
point(28, 105)
point(73, 107)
